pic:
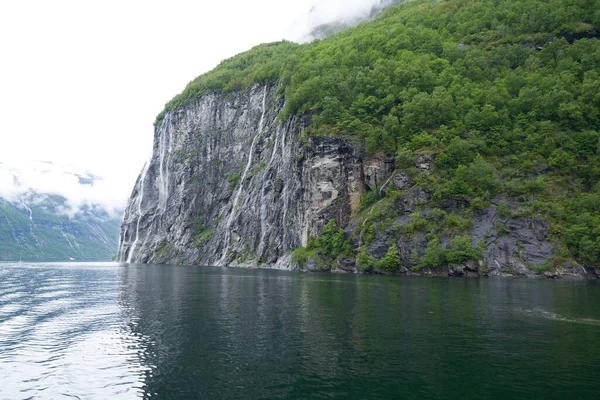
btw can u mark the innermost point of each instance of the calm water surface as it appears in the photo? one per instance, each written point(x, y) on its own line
point(107, 331)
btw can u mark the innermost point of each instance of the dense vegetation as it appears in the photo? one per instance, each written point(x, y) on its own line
point(505, 93)
point(328, 247)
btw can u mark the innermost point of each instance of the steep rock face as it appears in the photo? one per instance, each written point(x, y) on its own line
point(230, 184)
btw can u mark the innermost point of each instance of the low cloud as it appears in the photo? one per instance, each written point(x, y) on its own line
point(118, 145)
point(32, 181)
point(327, 11)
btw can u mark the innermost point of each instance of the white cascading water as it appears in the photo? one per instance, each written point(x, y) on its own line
point(263, 206)
point(121, 240)
point(248, 164)
point(163, 168)
point(66, 236)
point(140, 198)
point(168, 161)
point(31, 220)
point(28, 210)
point(285, 197)
point(164, 154)
point(385, 184)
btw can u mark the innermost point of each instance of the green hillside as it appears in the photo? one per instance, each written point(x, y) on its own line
point(505, 95)
point(51, 235)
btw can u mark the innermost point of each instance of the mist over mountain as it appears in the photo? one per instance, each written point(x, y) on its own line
point(327, 17)
point(50, 212)
point(76, 185)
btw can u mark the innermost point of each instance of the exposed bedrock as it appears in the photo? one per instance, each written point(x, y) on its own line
point(229, 184)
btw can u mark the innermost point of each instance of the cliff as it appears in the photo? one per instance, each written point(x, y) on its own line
point(230, 185)
point(442, 138)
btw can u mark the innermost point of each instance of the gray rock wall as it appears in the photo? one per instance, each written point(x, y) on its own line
point(228, 184)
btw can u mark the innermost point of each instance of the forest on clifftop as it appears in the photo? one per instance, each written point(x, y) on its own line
point(505, 95)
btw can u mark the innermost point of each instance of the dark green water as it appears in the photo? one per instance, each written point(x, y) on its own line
point(104, 331)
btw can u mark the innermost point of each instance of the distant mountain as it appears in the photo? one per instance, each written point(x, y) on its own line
point(53, 213)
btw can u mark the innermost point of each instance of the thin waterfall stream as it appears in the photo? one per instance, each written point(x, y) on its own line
point(241, 187)
point(139, 209)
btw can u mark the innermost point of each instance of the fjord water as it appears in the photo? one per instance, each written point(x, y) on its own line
point(134, 331)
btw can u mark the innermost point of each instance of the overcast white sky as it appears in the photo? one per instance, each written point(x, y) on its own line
point(82, 81)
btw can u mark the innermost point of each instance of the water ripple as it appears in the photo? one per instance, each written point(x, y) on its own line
point(61, 334)
point(124, 332)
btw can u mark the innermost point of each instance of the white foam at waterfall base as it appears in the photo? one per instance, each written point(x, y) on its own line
point(248, 164)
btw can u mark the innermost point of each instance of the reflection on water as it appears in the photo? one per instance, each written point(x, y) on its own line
point(62, 334)
point(104, 331)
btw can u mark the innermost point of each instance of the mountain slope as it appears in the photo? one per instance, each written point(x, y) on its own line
point(465, 134)
point(38, 224)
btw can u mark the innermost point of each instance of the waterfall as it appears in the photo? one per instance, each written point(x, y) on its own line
point(28, 210)
point(121, 239)
point(284, 196)
point(168, 161)
point(385, 184)
point(263, 206)
point(30, 220)
point(163, 168)
point(248, 164)
point(66, 236)
point(140, 198)
point(165, 148)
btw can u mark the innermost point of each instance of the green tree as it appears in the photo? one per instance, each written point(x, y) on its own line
point(434, 254)
point(460, 249)
point(391, 260)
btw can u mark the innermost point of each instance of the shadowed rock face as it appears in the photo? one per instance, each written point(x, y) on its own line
point(229, 184)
